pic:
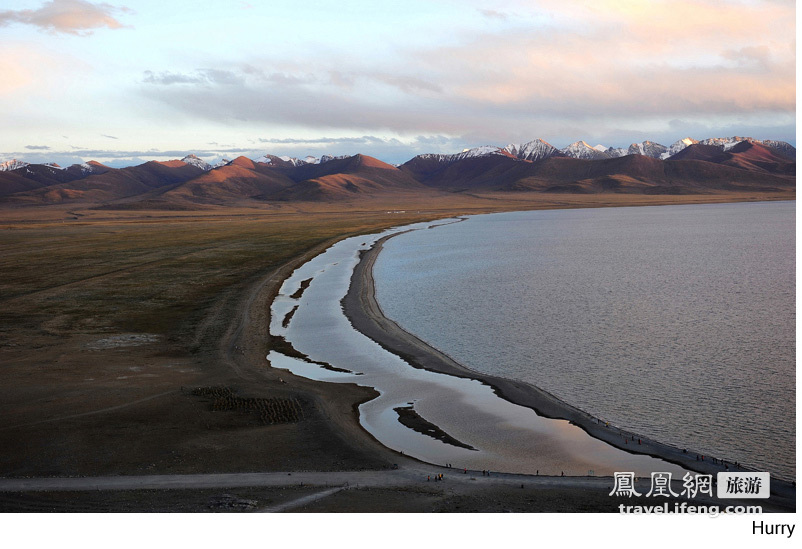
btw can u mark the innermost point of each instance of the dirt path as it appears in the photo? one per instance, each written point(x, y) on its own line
point(300, 502)
point(402, 477)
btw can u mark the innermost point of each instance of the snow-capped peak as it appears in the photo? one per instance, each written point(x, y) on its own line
point(534, 150)
point(614, 152)
point(12, 164)
point(677, 146)
point(328, 157)
point(647, 148)
point(484, 150)
point(220, 163)
point(582, 150)
point(724, 143)
point(292, 160)
point(601, 148)
point(197, 162)
point(268, 159)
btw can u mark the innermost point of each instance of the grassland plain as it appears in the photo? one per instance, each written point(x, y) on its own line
point(133, 342)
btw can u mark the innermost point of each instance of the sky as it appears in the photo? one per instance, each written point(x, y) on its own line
point(127, 81)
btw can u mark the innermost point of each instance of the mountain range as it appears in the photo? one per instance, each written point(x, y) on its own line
point(686, 166)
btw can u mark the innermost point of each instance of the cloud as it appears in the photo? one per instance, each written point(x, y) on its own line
point(367, 139)
point(493, 14)
point(408, 83)
point(37, 147)
point(560, 68)
point(170, 78)
point(203, 77)
point(77, 17)
point(625, 58)
point(108, 136)
point(751, 56)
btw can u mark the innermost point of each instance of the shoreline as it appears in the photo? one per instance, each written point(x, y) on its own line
point(366, 316)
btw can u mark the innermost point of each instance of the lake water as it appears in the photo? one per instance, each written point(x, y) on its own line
point(677, 322)
point(502, 436)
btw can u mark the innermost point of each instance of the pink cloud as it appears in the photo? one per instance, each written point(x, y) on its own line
point(629, 57)
point(77, 17)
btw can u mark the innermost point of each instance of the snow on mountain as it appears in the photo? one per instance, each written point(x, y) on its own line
point(294, 161)
point(725, 143)
point(781, 147)
point(197, 162)
point(677, 146)
point(601, 148)
point(582, 150)
point(13, 164)
point(485, 150)
point(534, 150)
point(327, 157)
point(53, 165)
point(268, 159)
point(614, 152)
point(225, 161)
point(647, 148)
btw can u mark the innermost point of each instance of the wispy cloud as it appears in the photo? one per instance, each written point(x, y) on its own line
point(367, 139)
point(197, 77)
point(77, 17)
point(493, 14)
point(108, 136)
point(37, 147)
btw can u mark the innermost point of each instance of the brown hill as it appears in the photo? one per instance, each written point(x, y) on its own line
point(36, 176)
point(754, 156)
point(111, 185)
point(345, 178)
point(746, 155)
point(239, 180)
point(491, 171)
point(706, 153)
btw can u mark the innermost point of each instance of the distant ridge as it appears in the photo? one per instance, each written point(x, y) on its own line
point(687, 166)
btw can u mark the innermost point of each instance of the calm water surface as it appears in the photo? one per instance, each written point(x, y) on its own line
point(503, 436)
point(677, 322)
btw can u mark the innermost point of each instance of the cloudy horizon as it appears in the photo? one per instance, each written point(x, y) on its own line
point(131, 81)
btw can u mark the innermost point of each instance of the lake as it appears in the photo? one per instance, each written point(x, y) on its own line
point(676, 322)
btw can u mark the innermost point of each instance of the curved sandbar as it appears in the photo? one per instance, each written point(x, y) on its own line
point(364, 312)
point(506, 437)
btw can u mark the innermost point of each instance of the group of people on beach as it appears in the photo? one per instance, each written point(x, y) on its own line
point(716, 461)
point(439, 476)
